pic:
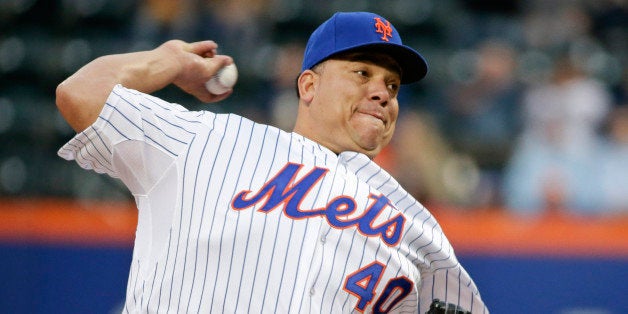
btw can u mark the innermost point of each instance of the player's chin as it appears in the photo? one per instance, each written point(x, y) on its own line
point(372, 147)
point(371, 139)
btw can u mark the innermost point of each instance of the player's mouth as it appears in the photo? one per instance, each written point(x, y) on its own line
point(375, 114)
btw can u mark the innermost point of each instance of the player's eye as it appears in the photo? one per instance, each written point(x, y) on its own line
point(394, 88)
point(362, 73)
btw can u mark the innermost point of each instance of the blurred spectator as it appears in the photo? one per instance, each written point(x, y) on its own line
point(282, 90)
point(553, 24)
point(160, 20)
point(554, 161)
point(569, 110)
point(240, 27)
point(482, 113)
point(423, 162)
point(612, 160)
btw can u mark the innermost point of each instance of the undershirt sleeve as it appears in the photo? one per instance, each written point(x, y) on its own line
point(135, 138)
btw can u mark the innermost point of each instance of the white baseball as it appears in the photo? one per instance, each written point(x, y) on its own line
point(223, 81)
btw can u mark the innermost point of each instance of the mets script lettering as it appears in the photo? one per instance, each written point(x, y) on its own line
point(383, 28)
point(282, 191)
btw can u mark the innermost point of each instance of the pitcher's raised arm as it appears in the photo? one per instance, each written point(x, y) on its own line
point(81, 96)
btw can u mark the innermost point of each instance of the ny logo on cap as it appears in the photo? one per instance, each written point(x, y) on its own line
point(383, 28)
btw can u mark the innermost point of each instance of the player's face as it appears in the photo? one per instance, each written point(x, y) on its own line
point(355, 104)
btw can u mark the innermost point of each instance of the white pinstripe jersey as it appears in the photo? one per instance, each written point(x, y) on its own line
point(240, 217)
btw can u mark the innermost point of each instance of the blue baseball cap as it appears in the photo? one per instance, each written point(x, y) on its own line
point(347, 31)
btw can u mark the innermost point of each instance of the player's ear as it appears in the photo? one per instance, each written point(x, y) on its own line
point(306, 85)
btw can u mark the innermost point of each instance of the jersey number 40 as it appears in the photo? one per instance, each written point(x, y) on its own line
point(363, 283)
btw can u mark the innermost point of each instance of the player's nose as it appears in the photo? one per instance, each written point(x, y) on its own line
point(379, 92)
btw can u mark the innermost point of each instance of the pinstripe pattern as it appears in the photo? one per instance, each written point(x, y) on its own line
point(198, 250)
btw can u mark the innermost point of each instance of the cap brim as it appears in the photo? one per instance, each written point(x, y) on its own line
point(413, 65)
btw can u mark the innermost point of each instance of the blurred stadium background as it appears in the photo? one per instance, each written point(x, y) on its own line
point(517, 139)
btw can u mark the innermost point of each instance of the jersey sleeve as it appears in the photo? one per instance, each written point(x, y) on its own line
point(135, 138)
